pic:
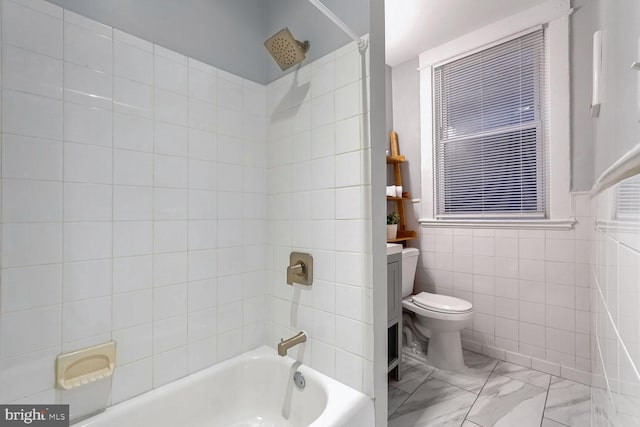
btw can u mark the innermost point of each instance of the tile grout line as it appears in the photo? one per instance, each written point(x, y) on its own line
point(410, 394)
point(479, 392)
point(546, 397)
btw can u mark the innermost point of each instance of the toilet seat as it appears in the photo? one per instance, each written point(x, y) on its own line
point(441, 303)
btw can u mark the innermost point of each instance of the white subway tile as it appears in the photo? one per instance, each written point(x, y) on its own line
point(132, 168)
point(560, 272)
point(171, 268)
point(202, 235)
point(86, 47)
point(561, 318)
point(560, 295)
point(88, 87)
point(532, 334)
point(206, 264)
point(507, 288)
point(202, 324)
point(26, 71)
point(169, 301)
point(349, 369)
point(562, 341)
point(87, 241)
point(170, 171)
point(169, 333)
point(32, 29)
point(229, 344)
point(31, 158)
point(131, 62)
point(532, 270)
point(132, 273)
point(18, 381)
point(87, 279)
point(132, 203)
point(483, 265)
point(169, 366)
point(170, 75)
point(348, 102)
point(531, 248)
point(31, 201)
point(85, 319)
point(506, 267)
point(24, 332)
point(204, 116)
point(132, 238)
point(31, 115)
point(506, 247)
point(560, 250)
point(132, 132)
point(31, 244)
point(87, 202)
point(132, 97)
point(202, 354)
point(173, 203)
point(203, 84)
point(30, 287)
point(506, 308)
point(132, 379)
point(532, 313)
point(229, 92)
point(87, 163)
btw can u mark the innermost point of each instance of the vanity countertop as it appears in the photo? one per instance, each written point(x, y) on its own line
point(393, 248)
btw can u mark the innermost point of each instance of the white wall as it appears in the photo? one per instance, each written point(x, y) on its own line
point(227, 34)
point(319, 202)
point(133, 205)
point(618, 127)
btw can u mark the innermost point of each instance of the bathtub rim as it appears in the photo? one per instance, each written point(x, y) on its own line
point(342, 402)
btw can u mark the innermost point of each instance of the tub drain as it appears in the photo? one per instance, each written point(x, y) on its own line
point(298, 380)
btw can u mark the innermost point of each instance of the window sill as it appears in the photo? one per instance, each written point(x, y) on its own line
point(531, 224)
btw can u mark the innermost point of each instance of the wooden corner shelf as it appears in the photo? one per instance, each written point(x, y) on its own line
point(395, 159)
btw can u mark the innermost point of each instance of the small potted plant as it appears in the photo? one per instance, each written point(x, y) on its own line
point(392, 225)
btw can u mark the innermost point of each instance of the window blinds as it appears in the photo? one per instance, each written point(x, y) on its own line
point(627, 205)
point(490, 119)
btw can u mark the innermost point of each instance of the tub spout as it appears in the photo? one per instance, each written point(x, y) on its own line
point(285, 345)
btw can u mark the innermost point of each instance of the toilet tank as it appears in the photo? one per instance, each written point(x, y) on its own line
point(409, 264)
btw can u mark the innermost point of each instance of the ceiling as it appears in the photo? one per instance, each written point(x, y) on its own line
point(414, 26)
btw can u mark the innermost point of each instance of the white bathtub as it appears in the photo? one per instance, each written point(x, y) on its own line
point(254, 389)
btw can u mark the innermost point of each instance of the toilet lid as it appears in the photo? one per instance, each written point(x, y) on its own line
point(441, 303)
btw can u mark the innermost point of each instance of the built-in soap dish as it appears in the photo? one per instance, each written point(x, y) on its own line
point(85, 366)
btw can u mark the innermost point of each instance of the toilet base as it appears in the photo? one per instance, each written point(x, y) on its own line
point(445, 351)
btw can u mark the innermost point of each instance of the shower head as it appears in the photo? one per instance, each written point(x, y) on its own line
point(286, 50)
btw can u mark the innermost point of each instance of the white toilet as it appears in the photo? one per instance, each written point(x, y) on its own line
point(440, 317)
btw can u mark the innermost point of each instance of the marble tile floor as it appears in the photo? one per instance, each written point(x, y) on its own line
point(489, 393)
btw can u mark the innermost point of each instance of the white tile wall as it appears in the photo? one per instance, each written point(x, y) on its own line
point(318, 192)
point(528, 287)
point(615, 297)
point(134, 204)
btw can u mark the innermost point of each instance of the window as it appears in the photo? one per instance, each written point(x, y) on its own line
point(489, 126)
point(627, 200)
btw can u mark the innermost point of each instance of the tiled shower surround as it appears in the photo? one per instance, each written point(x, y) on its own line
point(529, 289)
point(133, 208)
point(615, 296)
point(138, 196)
point(319, 203)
